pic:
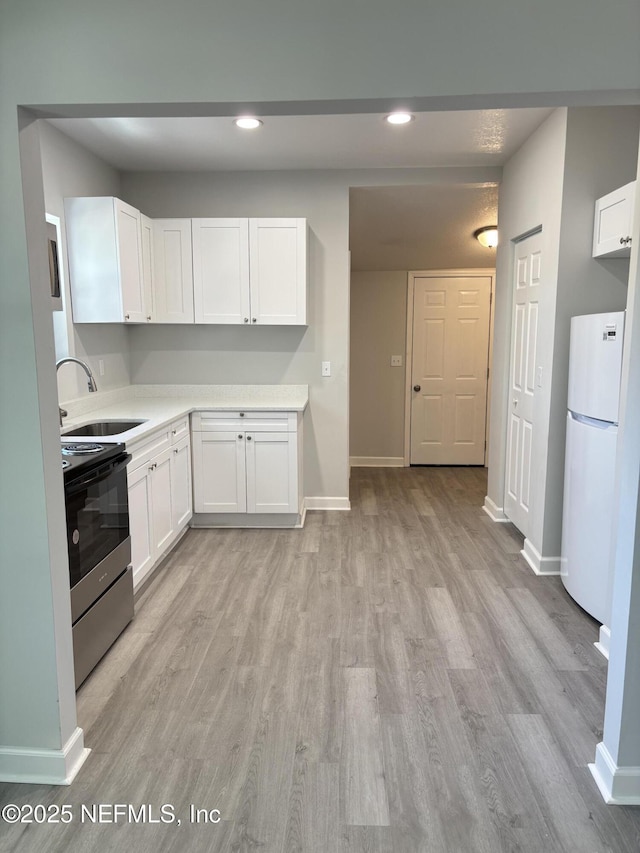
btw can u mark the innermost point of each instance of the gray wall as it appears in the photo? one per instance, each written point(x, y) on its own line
point(574, 157)
point(68, 169)
point(378, 331)
point(72, 53)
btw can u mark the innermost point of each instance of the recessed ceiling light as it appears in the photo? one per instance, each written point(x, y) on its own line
point(399, 118)
point(247, 122)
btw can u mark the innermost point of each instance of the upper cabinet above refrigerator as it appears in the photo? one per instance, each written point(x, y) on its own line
point(612, 227)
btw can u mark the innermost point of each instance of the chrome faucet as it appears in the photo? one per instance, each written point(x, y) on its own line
point(91, 384)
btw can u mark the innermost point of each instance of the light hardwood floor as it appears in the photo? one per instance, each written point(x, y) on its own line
point(392, 679)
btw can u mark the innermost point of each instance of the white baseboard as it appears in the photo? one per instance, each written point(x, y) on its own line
point(327, 503)
point(619, 786)
point(44, 766)
point(604, 641)
point(495, 512)
point(540, 565)
point(376, 461)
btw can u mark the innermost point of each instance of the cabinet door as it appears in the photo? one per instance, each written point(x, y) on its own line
point(219, 483)
point(613, 222)
point(146, 231)
point(161, 491)
point(129, 247)
point(272, 472)
point(221, 270)
point(172, 271)
point(140, 522)
point(278, 271)
point(181, 503)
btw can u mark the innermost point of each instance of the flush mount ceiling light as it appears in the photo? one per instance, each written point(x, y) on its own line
point(247, 122)
point(487, 236)
point(399, 118)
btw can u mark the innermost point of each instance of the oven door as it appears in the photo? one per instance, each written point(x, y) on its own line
point(97, 517)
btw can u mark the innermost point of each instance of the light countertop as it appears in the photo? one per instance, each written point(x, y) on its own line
point(159, 405)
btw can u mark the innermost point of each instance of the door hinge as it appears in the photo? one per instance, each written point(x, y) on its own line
point(490, 297)
point(487, 372)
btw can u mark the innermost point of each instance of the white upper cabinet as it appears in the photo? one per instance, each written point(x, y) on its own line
point(250, 271)
point(613, 223)
point(172, 271)
point(146, 231)
point(221, 270)
point(104, 244)
point(278, 271)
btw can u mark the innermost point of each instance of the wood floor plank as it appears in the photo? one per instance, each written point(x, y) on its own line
point(362, 779)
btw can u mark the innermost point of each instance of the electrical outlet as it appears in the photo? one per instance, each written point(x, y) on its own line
point(396, 361)
point(326, 368)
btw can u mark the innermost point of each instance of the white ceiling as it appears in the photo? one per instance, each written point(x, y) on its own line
point(465, 138)
point(399, 227)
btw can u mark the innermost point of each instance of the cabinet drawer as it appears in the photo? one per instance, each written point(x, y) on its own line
point(244, 421)
point(179, 429)
point(142, 451)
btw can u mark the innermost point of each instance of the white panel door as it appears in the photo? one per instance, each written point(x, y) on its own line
point(278, 271)
point(272, 484)
point(172, 271)
point(219, 472)
point(181, 500)
point(221, 270)
point(449, 369)
point(129, 246)
point(522, 381)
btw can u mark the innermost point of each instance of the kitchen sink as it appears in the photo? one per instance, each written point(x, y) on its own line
point(103, 428)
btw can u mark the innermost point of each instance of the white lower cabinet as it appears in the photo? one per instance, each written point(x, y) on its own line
point(246, 470)
point(160, 505)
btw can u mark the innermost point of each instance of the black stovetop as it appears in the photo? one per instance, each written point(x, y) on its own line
point(81, 457)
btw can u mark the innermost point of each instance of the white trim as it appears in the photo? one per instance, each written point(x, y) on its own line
point(327, 503)
point(376, 461)
point(604, 641)
point(619, 786)
point(44, 766)
point(495, 512)
point(540, 565)
point(482, 272)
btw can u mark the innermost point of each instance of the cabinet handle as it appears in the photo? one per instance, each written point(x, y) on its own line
point(149, 318)
point(241, 414)
point(176, 452)
point(248, 438)
point(253, 320)
point(416, 388)
point(246, 319)
point(623, 240)
point(174, 431)
point(240, 437)
point(126, 316)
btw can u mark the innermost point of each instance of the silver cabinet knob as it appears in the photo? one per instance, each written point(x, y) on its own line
point(126, 316)
point(417, 388)
point(253, 320)
point(246, 319)
point(248, 438)
point(241, 414)
point(176, 452)
point(149, 318)
point(240, 437)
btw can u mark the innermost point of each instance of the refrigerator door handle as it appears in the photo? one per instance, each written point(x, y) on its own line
point(593, 422)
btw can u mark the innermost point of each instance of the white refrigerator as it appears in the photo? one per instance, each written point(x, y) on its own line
point(595, 363)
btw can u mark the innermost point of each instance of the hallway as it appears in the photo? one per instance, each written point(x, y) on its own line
point(392, 679)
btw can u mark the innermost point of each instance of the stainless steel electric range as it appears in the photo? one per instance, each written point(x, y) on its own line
point(97, 509)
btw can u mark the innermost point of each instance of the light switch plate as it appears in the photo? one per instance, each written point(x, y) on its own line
point(326, 368)
point(396, 361)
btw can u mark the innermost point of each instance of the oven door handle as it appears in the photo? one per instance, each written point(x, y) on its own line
point(97, 476)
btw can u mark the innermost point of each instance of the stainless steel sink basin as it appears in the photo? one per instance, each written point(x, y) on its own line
point(103, 428)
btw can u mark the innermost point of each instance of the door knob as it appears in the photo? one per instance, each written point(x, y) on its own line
point(417, 388)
